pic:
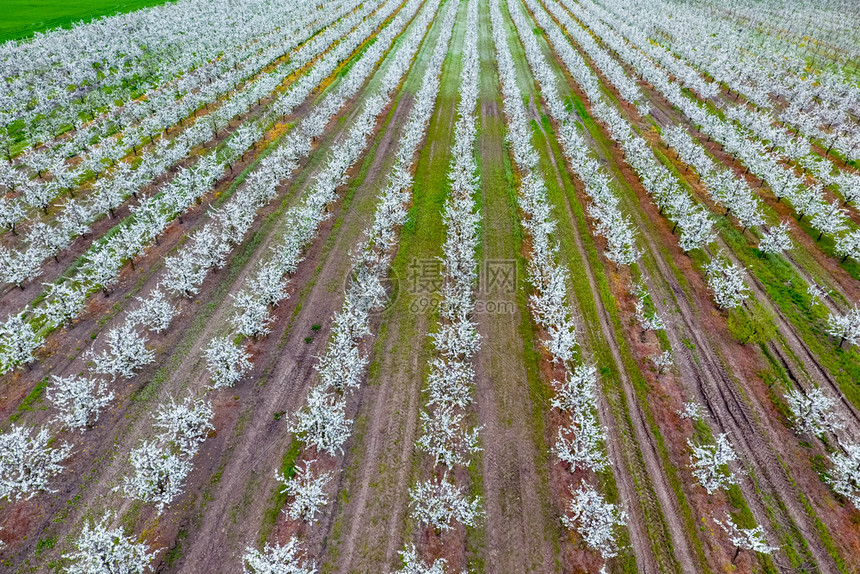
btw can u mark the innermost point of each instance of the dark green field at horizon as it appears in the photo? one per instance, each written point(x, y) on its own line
point(23, 18)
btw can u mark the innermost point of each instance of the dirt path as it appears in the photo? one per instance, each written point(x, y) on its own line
point(522, 531)
point(382, 461)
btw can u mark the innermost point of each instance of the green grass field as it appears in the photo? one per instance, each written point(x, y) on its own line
point(22, 18)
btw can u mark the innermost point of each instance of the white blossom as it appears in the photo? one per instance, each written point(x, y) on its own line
point(711, 464)
point(18, 340)
point(277, 559)
point(846, 327)
point(595, 519)
point(845, 476)
point(446, 437)
point(727, 283)
point(155, 312)
point(777, 239)
point(663, 360)
point(227, 362)
point(100, 550)
point(184, 424)
point(693, 411)
point(253, 318)
point(183, 274)
point(63, 303)
point(648, 321)
point(79, 399)
point(322, 422)
point(158, 474)
point(307, 491)
point(813, 412)
point(439, 503)
point(27, 462)
point(816, 293)
point(126, 353)
point(581, 445)
point(746, 538)
point(848, 245)
point(412, 563)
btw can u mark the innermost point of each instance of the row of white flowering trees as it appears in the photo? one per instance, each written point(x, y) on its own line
point(226, 360)
point(583, 448)
point(51, 176)
point(694, 220)
point(581, 440)
point(760, 117)
point(814, 412)
point(711, 467)
point(211, 244)
point(726, 280)
point(817, 110)
point(445, 434)
point(123, 352)
point(818, 105)
point(160, 466)
point(83, 78)
point(734, 194)
point(808, 199)
point(616, 227)
point(153, 214)
point(322, 425)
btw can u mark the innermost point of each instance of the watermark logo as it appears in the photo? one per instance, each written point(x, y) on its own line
point(498, 276)
point(496, 292)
